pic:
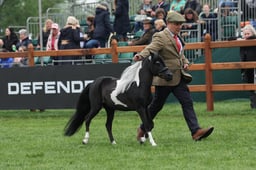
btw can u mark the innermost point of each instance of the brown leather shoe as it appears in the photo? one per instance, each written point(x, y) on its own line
point(202, 133)
point(140, 134)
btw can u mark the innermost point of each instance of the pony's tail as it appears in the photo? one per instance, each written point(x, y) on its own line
point(82, 109)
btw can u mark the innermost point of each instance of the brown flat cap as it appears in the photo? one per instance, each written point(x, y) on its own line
point(173, 16)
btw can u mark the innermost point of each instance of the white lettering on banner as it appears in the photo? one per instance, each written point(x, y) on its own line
point(37, 86)
point(60, 86)
point(25, 88)
point(13, 88)
point(79, 84)
point(47, 87)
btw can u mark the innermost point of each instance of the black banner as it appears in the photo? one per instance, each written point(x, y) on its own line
point(50, 87)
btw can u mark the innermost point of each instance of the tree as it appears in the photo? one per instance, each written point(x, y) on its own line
point(16, 12)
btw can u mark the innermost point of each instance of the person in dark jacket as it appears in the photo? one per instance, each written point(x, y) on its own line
point(248, 54)
point(102, 24)
point(161, 4)
point(193, 4)
point(69, 39)
point(8, 42)
point(122, 21)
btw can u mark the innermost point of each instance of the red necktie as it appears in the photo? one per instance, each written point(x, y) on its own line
point(177, 42)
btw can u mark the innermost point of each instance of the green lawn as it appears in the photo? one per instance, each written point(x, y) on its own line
point(36, 141)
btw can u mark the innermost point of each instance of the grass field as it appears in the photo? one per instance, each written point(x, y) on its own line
point(35, 141)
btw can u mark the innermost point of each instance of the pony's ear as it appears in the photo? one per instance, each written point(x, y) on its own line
point(150, 57)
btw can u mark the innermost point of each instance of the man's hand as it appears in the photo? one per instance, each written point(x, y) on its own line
point(186, 66)
point(137, 57)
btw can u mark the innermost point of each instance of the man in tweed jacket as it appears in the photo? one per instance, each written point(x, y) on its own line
point(170, 47)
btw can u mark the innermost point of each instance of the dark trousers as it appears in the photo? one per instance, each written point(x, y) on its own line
point(181, 92)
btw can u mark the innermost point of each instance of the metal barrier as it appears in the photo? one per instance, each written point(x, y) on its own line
point(33, 27)
point(192, 36)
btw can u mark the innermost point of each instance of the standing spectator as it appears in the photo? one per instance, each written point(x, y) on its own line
point(177, 5)
point(52, 41)
point(248, 54)
point(69, 39)
point(209, 22)
point(46, 32)
point(160, 14)
point(170, 47)
point(146, 37)
point(193, 4)
point(190, 26)
point(102, 24)
point(160, 4)
point(144, 9)
point(122, 20)
point(9, 45)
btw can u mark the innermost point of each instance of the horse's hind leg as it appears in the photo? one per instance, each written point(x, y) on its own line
point(89, 117)
point(109, 122)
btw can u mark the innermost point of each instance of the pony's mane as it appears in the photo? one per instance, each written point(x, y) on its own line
point(129, 75)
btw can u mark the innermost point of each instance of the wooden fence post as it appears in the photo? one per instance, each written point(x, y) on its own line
point(31, 61)
point(208, 73)
point(114, 51)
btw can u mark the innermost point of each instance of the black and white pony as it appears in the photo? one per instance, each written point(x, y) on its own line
point(132, 92)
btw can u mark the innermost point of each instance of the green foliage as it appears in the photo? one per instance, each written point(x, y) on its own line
point(36, 141)
point(16, 12)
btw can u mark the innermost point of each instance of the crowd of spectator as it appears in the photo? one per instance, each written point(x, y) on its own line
point(150, 18)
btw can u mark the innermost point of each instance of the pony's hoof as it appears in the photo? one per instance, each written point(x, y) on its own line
point(142, 140)
point(85, 141)
point(113, 143)
point(154, 144)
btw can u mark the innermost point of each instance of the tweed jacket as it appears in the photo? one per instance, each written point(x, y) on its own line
point(164, 44)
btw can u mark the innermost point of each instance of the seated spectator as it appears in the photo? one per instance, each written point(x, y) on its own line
point(22, 46)
point(9, 40)
point(144, 9)
point(193, 4)
point(159, 25)
point(89, 41)
point(190, 26)
point(161, 4)
point(209, 22)
point(146, 38)
point(177, 5)
point(8, 44)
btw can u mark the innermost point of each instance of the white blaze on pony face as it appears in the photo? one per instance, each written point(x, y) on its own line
point(130, 75)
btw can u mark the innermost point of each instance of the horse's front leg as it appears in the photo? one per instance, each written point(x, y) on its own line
point(109, 122)
point(148, 124)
